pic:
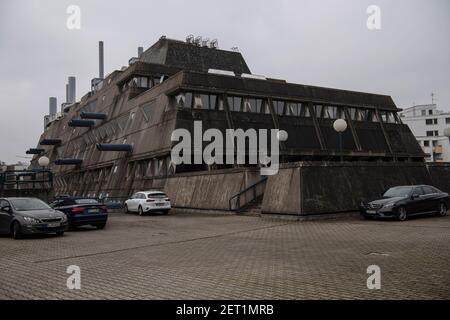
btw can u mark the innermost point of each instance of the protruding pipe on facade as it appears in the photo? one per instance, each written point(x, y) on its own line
point(68, 162)
point(93, 115)
point(81, 123)
point(114, 147)
point(35, 151)
point(50, 142)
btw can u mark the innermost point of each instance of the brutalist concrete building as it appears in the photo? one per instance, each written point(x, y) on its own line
point(117, 138)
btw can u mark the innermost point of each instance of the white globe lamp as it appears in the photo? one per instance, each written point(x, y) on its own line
point(44, 161)
point(340, 125)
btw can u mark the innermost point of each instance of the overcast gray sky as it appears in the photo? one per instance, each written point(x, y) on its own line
point(323, 43)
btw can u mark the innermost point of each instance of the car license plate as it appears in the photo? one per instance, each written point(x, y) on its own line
point(94, 211)
point(160, 204)
point(53, 225)
point(371, 212)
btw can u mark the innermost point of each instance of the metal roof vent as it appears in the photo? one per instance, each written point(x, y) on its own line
point(198, 41)
point(205, 42)
point(222, 72)
point(190, 39)
point(253, 76)
point(214, 44)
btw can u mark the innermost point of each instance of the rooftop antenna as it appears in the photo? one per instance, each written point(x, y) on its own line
point(235, 49)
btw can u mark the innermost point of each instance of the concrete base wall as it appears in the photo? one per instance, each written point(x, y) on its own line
point(303, 188)
point(324, 188)
point(208, 190)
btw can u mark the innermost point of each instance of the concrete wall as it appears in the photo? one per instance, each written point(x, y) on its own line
point(209, 190)
point(321, 188)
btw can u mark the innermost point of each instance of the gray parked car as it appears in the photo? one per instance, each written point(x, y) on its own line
point(26, 216)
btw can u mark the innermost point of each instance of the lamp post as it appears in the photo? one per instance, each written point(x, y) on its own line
point(44, 162)
point(340, 125)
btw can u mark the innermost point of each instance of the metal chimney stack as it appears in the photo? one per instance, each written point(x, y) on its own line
point(72, 90)
point(101, 71)
point(140, 51)
point(52, 106)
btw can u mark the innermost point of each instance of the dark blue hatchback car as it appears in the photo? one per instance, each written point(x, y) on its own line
point(82, 211)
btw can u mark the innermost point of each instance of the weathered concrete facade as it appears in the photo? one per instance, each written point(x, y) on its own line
point(170, 86)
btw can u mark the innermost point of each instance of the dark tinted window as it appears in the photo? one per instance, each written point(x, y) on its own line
point(429, 189)
point(28, 204)
point(157, 195)
point(398, 192)
point(418, 191)
point(86, 201)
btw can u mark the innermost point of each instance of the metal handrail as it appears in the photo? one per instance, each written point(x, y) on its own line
point(240, 193)
point(12, 179)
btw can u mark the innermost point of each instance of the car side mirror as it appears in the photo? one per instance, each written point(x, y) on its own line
point(6, 209)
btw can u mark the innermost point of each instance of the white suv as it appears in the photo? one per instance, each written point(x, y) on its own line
point(146, 201)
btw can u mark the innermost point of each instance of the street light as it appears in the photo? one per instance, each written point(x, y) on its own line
point(44, 162)
point(340, 125)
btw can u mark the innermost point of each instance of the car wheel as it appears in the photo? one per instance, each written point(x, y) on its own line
point(100, 226)
point(60, 233)
point(141, 212)
point(126, 209)
point(402, 214)
point(16, 231)
point(443, 209)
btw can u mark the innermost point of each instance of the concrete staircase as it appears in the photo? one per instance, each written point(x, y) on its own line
point(254, 208)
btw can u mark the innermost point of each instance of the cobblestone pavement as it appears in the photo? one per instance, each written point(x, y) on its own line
point(232, 257)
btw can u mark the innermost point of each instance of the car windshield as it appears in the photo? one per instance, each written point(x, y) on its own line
point(398, 192)
point(157, 195)
point(29, 204)
point(86, 201)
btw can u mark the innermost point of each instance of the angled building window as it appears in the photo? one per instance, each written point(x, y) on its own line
point(146, 110)
point(319, 110)
point(234, 103)
point(278, 106)
point(304, 112)
point(198, 103)
point(213, 102)
point(122, 121)
point(250, 105)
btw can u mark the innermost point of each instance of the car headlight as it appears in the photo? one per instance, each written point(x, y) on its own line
point(31, 220)
point(64, 218)
point(389, 205)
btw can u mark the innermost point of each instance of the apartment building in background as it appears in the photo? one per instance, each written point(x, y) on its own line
point(428, 124)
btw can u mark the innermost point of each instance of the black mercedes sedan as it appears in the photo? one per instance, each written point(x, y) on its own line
point(27, 216)
point(404, 201)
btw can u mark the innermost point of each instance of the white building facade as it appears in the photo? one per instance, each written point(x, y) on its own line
point(427, 123)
